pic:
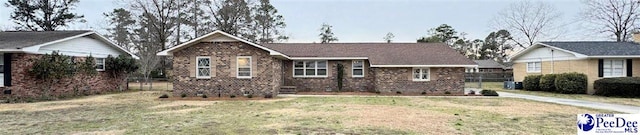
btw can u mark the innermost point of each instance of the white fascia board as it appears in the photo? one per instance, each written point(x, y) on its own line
point(328, 58)
point(615, 56)
point(470, 66)
point(169, 52)
point(514, 57)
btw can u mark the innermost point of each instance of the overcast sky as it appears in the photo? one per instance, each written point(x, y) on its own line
point(368, 20)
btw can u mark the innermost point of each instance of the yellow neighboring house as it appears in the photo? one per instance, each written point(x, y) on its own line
point(596, 59)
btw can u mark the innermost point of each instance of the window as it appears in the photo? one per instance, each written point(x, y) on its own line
point(203, 68)
point(100, 64)
point(310, 68)
point(421, 74)
point(534, 67)
point(613, 68)
point(358, 68)
point(244, 66)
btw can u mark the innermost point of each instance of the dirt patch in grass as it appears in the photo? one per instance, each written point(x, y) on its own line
point(513, 107)
point(401, 118)
point(184, 103)
point(110, 132)
point(179, 111)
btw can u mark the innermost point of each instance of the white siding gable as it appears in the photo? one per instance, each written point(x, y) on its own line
point(82, 46)
point(545, 54)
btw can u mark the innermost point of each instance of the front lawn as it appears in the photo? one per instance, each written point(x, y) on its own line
point(142, 113)
point(614, 100)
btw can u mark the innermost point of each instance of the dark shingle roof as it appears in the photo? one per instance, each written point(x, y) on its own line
point(598, 48)
point(488, 64)
point(21, 39)
point(378, 53)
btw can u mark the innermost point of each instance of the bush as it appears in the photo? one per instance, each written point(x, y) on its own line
point(532, 82)
point(249, 96)
point(620, 87)
point(472, 92)
point(398, 92)
point(489, 93)
point(232, 96)
point(447, 92)
point(268, 95)
point(571, 83)
point(183, 95)
point(204, 96)
point(424, 93)
point(547, 83)
point(164, 96)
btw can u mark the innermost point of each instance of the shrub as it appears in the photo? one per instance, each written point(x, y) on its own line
point(620, 87)
point(571, 83)
point(398, 92)
point(164, 96)
point(447, 92)
point(268, 95)
point(472, 92)
point(424, 93)
point(183, 95)
point(249, 96)
point(232, 96)
point(547, 82)
point(378, 92)
point(532, 82)
point(204, 96)
point(489, 93)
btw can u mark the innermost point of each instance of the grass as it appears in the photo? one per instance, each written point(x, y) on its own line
point(142, 113)
point(614, 100)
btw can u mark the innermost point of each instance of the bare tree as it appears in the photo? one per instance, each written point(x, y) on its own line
point(529, 21)
point(615, 17)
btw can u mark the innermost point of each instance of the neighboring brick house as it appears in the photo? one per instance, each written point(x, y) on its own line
point(20, 49)
point(596, 59)
point(221, 64)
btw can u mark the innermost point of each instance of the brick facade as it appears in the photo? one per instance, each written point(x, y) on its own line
point(25, 86)
point(390, 80)
point(319, 84)
point(266, 70)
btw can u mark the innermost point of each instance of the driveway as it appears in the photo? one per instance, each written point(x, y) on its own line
point(573, 102)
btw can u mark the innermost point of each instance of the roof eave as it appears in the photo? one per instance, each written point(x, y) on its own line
point(466, 66)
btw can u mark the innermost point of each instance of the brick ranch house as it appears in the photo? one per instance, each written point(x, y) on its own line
point(221, 64)
point(20, 49)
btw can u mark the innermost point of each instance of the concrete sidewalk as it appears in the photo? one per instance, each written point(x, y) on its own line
point(573, 102)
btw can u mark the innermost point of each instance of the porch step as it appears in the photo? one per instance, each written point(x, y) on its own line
point(287, 90)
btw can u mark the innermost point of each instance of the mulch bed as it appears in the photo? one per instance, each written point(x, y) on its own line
point(373, 94)
point(214, 99)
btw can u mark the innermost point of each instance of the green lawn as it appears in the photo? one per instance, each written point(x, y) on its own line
point(142, 113)
point(615, 100)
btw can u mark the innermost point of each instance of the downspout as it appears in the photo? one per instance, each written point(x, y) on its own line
point(552, 62)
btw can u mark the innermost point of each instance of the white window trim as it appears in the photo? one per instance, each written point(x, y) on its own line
point(104, 64)
point(304, 69)
point(238, 67)
point(529, 71)
point(197, 66)
point(353, 68)
point(421, 72)
point(624, 68)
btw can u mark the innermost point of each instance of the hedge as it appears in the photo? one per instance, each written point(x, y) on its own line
point(547, 83)
point(532, 82)
point(571, 83)
point(489, 93)
point(620, 87)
